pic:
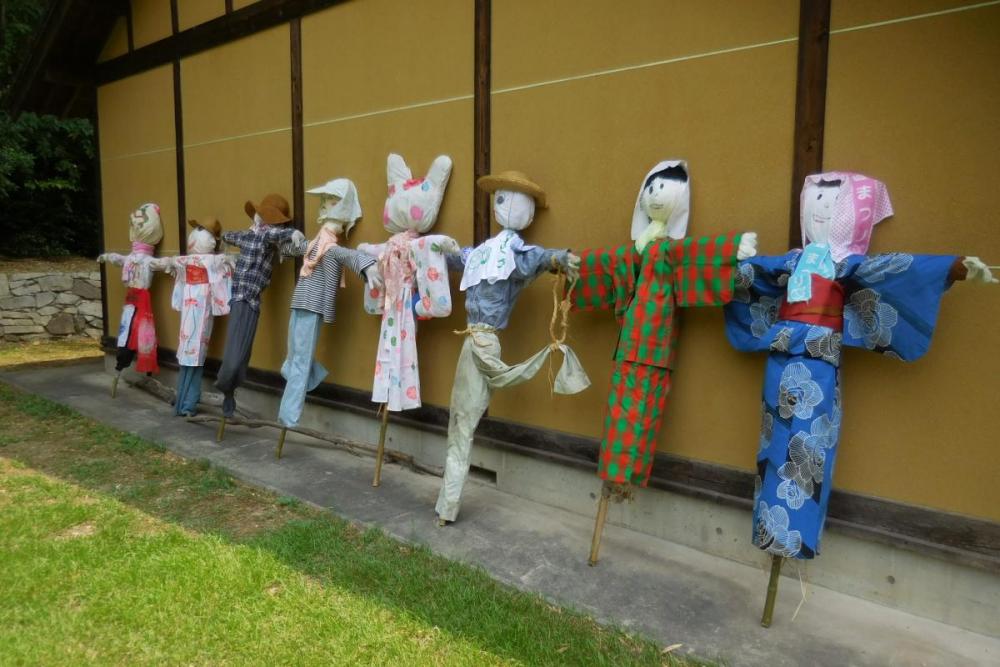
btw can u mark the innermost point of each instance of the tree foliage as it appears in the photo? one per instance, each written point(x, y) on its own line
point(47, 170)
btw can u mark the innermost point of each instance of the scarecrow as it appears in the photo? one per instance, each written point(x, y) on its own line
point(643, 282)
point(493, 275)
point(137, 331)
point(314, 301)
point(802, 308)
point(268, 233)
point(414, 269)
point(202, 289)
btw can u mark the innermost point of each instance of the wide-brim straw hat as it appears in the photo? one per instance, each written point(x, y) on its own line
point(208, 223)
point(515, 181)
point(273, 209)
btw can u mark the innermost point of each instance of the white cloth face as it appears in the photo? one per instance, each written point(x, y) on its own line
point(817, 210)
point(513, 210)
point(671, 204)
point(200, 242)
point(145, 226)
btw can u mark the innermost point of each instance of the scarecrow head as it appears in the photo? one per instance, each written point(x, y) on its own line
point(515, 197)
point(144, 225)
point(413, 203)
point(338, 205)
point(662, 205)
point(204, 236)
point(839, 209)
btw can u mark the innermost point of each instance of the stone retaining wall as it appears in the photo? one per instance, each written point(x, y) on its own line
point(50, 305)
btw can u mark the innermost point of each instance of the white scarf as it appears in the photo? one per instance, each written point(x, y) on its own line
point(493, 260)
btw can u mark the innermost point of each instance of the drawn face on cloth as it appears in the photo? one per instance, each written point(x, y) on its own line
point(200, 242)
point(662, 205)
point(840, 209)
point(144, 225)
point(513, 210)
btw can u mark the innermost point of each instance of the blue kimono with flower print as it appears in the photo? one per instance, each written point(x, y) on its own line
point(890, 307)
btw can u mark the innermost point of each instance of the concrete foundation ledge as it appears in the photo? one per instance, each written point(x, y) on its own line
point(903, 579)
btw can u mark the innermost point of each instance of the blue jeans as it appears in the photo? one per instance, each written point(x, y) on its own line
point(188, 390)
point(301, 372)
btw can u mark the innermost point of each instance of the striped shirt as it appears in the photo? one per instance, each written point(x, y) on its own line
point(317, 292)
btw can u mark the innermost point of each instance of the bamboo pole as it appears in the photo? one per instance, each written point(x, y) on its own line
point(221, 433)
point(281, 443)
point(772, 591)
point(602, 516)
point(380, 452)
point(114, 384)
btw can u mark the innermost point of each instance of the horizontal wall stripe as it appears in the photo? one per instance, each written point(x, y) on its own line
point(916, 17)
point(567, 79)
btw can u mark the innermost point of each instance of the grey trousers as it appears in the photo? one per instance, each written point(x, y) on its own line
point(240, 331)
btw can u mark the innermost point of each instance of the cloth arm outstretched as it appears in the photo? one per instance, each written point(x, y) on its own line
point(704, 269)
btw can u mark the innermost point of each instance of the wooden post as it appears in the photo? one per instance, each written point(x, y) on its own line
point(221, 433)
point(481, 120)
point(114, 384)
point(810, 102)
point(602, 516)
point(281, 443)
point(772, 591)
point(380, 453)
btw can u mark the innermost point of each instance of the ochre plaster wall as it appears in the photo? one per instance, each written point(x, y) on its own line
point(138, 165)
point(586, 97)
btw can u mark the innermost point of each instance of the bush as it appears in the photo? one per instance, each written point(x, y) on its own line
point(47, 190)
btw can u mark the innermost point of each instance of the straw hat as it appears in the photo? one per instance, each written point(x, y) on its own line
point(273, 209)
point(209, 224)
point(512, 180)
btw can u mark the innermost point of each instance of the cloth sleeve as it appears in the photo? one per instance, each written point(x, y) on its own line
point(355, 260)
point(532, 262)
point(115, 258)
point(704, 269)
point(432, 277)
point(607, 278)
point(760, 285)
point(891, 302)
point(237, 238)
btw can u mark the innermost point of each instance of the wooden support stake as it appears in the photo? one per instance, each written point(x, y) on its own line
point(114, 384)
point(602, 516)
point(281, 443)
point(772, 591)
point(221, 433)
point(380, 453)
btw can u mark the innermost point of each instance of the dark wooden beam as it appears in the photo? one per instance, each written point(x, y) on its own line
point(810, 102)
point(99, 207)
point(179, 152)
point(175, 22)
point(129, 26)
point(254, 18)
point(298, 156)
point(229, 6)
point(298, 150)
point(481, 121)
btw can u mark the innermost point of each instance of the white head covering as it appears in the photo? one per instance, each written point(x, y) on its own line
point(513, 210)
point(348, 209)
point(678, 221)
point(862, 203)
point(145, 225)
point(201, 241)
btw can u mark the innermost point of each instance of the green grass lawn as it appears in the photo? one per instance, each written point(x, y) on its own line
point(115, 551)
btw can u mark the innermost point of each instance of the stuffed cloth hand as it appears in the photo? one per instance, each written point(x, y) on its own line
point(748, 246)
point(978, 271)
point(297, 238)
point(572, 266)
point(450, 246)
point(374, 278)
point(103, 257)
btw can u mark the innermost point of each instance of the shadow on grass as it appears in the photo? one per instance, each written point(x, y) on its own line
point(461, 600)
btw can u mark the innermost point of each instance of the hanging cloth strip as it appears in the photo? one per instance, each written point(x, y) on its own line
point(571, 379)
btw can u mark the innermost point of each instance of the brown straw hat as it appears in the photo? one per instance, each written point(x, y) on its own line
point(208, 223)
point(273, 209)
point(512, 180)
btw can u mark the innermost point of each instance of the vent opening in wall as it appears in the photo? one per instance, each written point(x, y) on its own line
point(483, 475)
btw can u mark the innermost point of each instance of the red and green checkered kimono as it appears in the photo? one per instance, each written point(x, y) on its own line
point(643, 290)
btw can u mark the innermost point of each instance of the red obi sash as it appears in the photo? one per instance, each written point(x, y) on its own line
point(196, 275)
point(825, 308)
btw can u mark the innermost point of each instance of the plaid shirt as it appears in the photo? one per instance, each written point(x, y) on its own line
point(644, 289)
point(253, 268)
